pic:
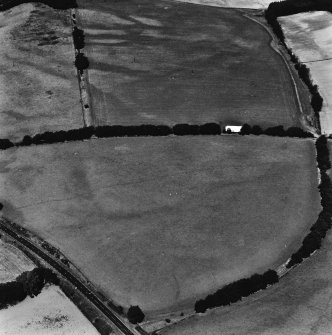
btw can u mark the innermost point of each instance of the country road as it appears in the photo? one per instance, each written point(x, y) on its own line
point(66, 273)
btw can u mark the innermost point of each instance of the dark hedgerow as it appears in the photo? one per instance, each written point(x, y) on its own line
point(210, 129)
point(237, 290)
point(78, 37)
point(81, 62)
point(275, 131)
point(135, 314)
point(5, 144)
point(245, 130)
point(28, 283)
point(183, 129)
point(319, 229)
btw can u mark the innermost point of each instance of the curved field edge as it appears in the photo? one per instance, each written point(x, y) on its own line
point(308, 119)
point(299, 303)
point(89, 198)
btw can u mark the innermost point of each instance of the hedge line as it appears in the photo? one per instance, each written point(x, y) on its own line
point(237, 290)
point(145, 130)
point(244, 287)
point(290, 7)
point(28, 283)
point(313, 240)
point(57, 4)
point(78, 37)
point(275, 131)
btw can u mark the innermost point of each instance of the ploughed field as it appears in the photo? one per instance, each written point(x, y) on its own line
point(309, 35)
point(160, 222)
point(38, 83)
point(164, 62)
point(12, 262)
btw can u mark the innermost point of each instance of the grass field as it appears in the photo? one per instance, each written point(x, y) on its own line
point(299, 304)
point(50, 313)
point(309, 36)
point(12, 262)
point(165, 62)
point(161, 221)
point(38, 83)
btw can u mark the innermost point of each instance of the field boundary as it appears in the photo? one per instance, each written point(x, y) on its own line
point(242, 288)
point(82, 76)
point(273, 44)
point(148, 130)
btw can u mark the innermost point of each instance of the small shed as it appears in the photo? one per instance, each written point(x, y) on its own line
point(233, 129)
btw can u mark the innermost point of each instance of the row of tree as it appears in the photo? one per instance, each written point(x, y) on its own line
point(79, 38)
point(81, 62)
point(275, 131)
point(237, 290)
point(290, 7)
point(145, 130)
point(28, 283)
point(319, 229)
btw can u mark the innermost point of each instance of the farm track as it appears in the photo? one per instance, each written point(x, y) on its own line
point(273, 46)
point(83, 82)
point(58, 266)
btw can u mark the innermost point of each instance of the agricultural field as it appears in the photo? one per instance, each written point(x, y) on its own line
point(160, 222)
point(165, 62)
point(252, 4)
point(50, 313)
point(299, 304)
point(309, 35)
point(12, 262)
point(38, 83)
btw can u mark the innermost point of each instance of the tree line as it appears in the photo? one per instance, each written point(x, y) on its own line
point(81, 61)
point(318, 231)
point(275, 131)
point(29, 283)
point(86, 133)
point(237, 290)
point(290, 7)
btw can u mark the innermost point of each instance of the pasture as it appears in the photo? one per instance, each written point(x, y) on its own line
point(38, 83)
point(165, 62)
point(160, 222)
point(299, 304)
